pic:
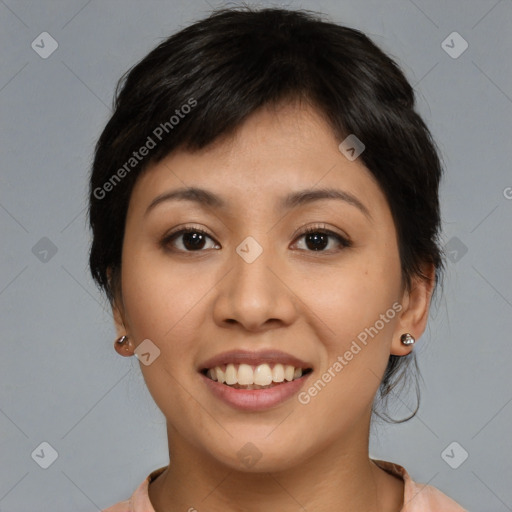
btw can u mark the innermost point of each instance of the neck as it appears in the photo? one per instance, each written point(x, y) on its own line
point(339, 478)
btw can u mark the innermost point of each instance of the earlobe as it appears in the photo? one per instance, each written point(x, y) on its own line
point(124, 346)
point(414, 315)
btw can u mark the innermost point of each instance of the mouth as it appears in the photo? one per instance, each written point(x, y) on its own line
point(250, 376)
point(250, 381)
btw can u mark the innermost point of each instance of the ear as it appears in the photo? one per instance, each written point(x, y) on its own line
point(117, 307)
point(125, 349)
point(118, 315)
point(415, 309)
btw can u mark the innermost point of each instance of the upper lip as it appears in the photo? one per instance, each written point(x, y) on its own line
point(254, 358)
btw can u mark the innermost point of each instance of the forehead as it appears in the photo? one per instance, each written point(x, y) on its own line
point(276, 150)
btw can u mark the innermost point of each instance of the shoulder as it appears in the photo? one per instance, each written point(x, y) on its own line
point(139, 500)
point(420, 497)
point(122, 506)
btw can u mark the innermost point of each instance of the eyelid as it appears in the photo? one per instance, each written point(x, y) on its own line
point(319, 227)
point(186, 227)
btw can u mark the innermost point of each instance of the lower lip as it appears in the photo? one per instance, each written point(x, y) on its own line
point(255, 399)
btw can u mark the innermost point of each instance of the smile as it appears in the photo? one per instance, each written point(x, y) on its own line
point(246, 376)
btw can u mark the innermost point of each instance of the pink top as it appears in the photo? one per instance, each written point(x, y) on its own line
point(417, 497)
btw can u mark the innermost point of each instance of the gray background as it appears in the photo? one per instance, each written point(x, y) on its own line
point(61, 381)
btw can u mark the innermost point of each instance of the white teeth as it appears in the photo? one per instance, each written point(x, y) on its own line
point(245, 375)
point(289, 371)
point(231, 376)
point(278, 373)
point(261, 375)
point(221, 376)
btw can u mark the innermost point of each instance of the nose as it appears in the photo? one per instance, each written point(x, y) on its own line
point(254, 294)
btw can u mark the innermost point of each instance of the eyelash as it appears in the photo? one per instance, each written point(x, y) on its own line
point(167, 239)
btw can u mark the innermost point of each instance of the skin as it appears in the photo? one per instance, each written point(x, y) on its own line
point(312, 304)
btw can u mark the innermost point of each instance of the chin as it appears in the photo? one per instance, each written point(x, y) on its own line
point(259, 453)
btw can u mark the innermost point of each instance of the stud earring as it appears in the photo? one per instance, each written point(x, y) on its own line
point(407, 339)
point(122, 346)
point(121, 340)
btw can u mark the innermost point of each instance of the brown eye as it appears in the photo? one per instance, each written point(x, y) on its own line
point(196, 239)
point(189, 240)
point(317, 239)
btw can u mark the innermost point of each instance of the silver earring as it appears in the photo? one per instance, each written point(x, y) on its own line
point(121, 340)
point(407, 339)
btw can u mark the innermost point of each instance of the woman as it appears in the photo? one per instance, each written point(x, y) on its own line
point(265, 216)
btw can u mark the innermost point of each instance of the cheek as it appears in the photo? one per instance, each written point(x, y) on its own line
point(361, 321)
point(357, 311)
point(161, 303)
point(165, 307)
point(352, 297)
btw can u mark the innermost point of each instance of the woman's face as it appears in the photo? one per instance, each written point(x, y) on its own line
point(255, 283)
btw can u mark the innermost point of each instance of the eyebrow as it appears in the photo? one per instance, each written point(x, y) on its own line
point(292, 200)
